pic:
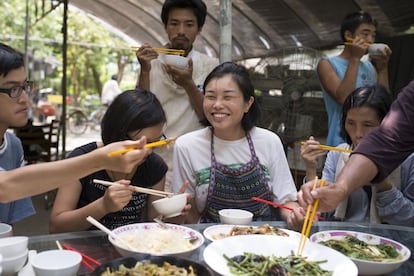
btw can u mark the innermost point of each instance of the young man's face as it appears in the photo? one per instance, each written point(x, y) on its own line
point(13, 111)
point(367, 32)
point(182, 28)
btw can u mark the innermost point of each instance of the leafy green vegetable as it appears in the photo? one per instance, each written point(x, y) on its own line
point(250, 264)
point(358, 249)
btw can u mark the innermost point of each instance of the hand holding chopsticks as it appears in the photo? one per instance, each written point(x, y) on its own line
point(149, 145)
point(136, 189)
point(165, 51)
point(310, 215)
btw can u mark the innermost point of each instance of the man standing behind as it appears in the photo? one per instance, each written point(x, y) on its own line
point(178, 88)
point(340, 75)
point(110, 90)
point(14, 108)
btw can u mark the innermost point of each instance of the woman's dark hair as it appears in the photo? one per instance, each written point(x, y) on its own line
point(376, 97)
point(131, 110)
point(198, 6)
point(10, 59)
point(241, 76)
point(352, 21)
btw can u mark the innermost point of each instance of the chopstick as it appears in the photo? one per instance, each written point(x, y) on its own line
point(307, 223)
point(272, 203)
point(164, 50)
point(85, 258)
point(349, 42)
point(149, 145)
point(109, 232)
point(137, 189)
point(324, 147)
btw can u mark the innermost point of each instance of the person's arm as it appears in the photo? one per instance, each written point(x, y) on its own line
point(145, 54)
point(184, 78)
point(311, 152)
point(39, 178)
point(396, 206)
point(151, 212)
point(66, 217)
point(358, 171)
point(381, 65)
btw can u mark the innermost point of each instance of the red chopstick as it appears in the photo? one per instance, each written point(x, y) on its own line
point(85, 258)
point(272, 203)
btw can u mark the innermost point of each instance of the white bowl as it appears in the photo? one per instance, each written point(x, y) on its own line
point(269, 245)
point(175, 60)
point(170, 206)
point(56, 263)
point(150, 238)
point(235, 216)
point(13, 246)
point(6, 230)
point(366, 267)
point(377, 49)
point(14, 264)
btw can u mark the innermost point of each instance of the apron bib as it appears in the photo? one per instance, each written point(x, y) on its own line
point(234, 188)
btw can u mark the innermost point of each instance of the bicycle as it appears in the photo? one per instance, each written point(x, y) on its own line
point(78, 121)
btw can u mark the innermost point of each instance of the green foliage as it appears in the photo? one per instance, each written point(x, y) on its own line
point(91, 45)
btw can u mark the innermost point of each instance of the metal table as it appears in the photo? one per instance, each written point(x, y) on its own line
point(97, 245)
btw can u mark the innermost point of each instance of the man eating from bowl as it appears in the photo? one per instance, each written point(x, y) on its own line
point(178, 88)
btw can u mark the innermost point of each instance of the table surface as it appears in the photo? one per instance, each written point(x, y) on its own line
point(97, 245)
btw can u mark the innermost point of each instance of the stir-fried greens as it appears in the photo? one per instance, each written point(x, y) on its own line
point(146, 268)
point(250, 264)
point(358, 249)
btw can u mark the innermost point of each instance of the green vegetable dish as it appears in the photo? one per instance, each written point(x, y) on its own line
point(358, 249)
point(250, 264)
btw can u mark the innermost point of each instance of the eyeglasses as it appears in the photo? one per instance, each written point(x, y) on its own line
point(16, 91)
point(163, 137)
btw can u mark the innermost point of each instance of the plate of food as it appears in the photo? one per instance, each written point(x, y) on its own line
point(372, 254)
point(151, 238)
point(221, 231)
point(144, 264)
point(269, 253)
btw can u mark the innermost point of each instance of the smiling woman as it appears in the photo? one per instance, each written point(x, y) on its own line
point(243, 156)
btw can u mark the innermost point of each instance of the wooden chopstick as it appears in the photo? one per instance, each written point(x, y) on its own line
point(137, 189)
point(164, 50)
point(272, 203)
point(307, 223)
point(149, 145)
point(324, 147)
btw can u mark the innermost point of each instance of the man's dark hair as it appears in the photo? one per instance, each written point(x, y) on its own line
point(198, 6)
point(353, 20)
point(10, 59)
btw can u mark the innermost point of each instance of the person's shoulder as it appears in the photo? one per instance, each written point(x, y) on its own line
point(260, 132)
point(83, 149)
point(203, 58)
point(192, 137)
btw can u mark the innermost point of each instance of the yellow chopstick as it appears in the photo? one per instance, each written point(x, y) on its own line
point(349, 42)
point(164, 50)
point(137, 189)
point(302, 240)
point(150, 145)
point(324, 147)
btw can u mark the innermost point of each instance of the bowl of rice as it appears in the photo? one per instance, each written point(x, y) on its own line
point(151, 238)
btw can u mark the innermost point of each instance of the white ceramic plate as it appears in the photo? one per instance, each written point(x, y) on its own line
point(218, 232)
point(147, 236)
point(367, 267)
point(278, 246)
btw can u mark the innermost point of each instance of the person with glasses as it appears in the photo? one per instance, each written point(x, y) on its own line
point(14, 99)
point(17, 182)
point(132, 115)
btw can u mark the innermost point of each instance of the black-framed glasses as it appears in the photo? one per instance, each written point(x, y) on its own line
point(16, 91)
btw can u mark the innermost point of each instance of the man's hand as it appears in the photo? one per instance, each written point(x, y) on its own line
point(145, 54)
